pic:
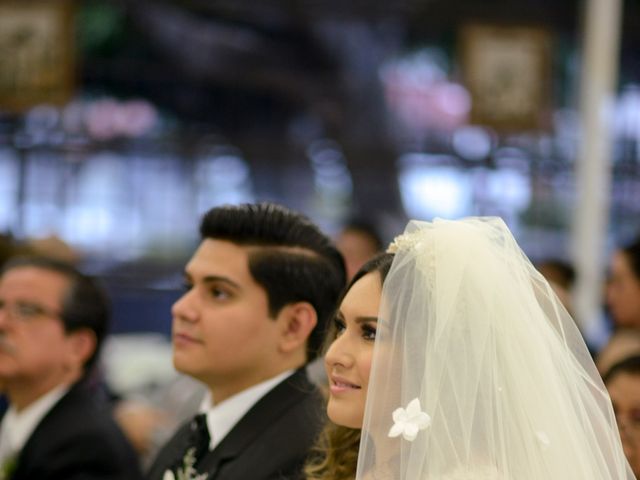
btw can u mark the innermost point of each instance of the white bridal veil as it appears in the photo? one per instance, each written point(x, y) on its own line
point(478, 371)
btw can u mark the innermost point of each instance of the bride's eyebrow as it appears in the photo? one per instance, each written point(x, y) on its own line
point(366, 319)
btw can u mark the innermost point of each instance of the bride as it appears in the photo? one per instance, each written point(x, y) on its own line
point(452, 358)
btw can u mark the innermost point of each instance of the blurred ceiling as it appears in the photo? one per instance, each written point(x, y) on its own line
point(243, 64)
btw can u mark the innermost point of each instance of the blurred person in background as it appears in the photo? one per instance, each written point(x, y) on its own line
point(623, 383)
point(7, 250)
point(623, 289)
point(623, 343)
point(52, 322)
point(557, 271)
point(562, 277)
point(260, 290)
point(358, 241)
point(52, 246)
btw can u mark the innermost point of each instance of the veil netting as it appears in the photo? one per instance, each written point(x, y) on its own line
point(478, 371)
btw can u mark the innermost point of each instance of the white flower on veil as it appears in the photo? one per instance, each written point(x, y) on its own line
point(408, 422)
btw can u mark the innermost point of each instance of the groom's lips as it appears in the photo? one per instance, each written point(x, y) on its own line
point(184, 339)
point(341, 385)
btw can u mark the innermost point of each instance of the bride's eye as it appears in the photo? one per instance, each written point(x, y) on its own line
point(369, 332)
point(339, 326)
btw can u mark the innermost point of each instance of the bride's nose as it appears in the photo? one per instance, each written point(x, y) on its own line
point(339, 353)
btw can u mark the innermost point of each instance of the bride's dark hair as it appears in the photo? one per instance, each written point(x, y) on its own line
point(335, 453)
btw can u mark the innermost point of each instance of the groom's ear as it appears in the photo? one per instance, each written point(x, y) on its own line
point(296, 320)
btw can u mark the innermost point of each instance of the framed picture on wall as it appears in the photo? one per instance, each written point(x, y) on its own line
point(507, 70)
point(36, 53)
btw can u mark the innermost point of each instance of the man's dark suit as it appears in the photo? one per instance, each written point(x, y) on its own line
point(271, 441)
point(77, 440)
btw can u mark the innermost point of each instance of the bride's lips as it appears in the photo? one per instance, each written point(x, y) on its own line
point(341, 385)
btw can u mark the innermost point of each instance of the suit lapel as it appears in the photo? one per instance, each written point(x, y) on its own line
point(257, 419)
point(43, 431)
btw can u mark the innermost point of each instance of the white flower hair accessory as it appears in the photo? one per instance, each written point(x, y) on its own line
point(408, 422)
point(406, 240)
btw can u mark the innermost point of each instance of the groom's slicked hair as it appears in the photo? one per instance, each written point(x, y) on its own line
point(293, 260)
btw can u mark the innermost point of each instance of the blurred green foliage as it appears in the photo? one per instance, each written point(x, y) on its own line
point(100, 28)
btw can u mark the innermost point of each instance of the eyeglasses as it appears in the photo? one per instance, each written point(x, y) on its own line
point(26, 311)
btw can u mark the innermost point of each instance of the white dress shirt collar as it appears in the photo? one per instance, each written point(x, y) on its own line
point(17, 427)
point(222, 417)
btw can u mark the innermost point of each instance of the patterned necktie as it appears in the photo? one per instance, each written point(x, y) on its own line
point(197, 446)
point(199, 435)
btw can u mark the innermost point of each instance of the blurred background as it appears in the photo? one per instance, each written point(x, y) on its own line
point(122, 121)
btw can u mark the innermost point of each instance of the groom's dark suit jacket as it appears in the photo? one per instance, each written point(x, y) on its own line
point(77, 440)
point(271, 441)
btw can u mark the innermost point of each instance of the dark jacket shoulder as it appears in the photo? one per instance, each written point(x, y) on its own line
point(78, 439)
point(271, 441)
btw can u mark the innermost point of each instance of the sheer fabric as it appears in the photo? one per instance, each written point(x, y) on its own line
point(472, 331)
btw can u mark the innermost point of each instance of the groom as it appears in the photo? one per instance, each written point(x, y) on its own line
point(259, 291)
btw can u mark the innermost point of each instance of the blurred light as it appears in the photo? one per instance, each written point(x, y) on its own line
point(101, 216)
point(108, 118)
point(430, 190)
point(472, 143)
point(331, 177)
point(41, 119)
point(8, 188)
point(627, 115)
point(510, 189)
point(73, 117)
point(226, 170)
point(454, 99)
point(327, 158)
point(322, 145)
point(419, 93)
point(135, 118)
point(334, 178)
point(222, 176)
point(566, 123)
point(512, 157)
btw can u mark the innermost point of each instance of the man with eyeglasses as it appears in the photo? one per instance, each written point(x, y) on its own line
point(52, 322)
